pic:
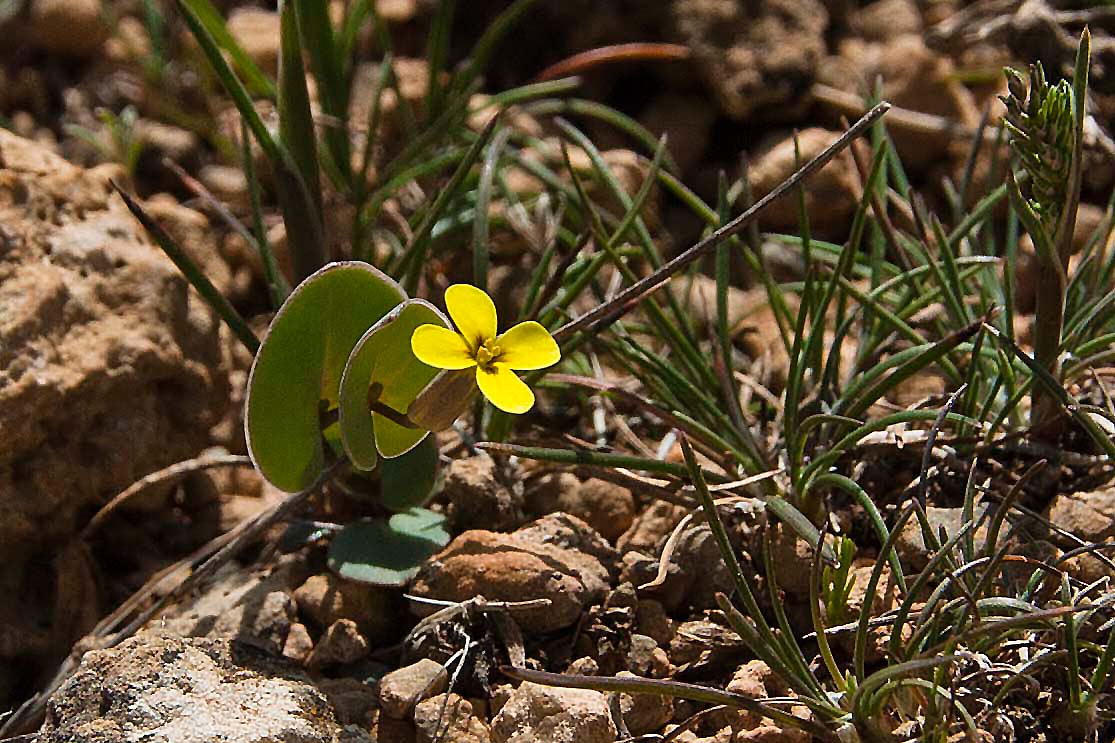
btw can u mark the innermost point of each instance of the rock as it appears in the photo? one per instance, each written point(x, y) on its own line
point(910, 544)
point(753, 60)
point(645, 658)
point(571, 533)
point(914, 77)
point(544, 713)
point(606, 507)
point(354, 702)
point(173, 690)
point(227, 183)
point(885, 19)
point(458, 724)
point(833, 191)
point(326, 598)
point(237, 605)
point(771, 733)
point(163, 140)
point(299, 644)
point(479, 498)
point(341, 644)
point(697, 637)
point(402, 689)
point(644, 713)
point(515, 567)
point(1090, 516)
point(191, 229)
point(651, 527)
point(73, 28)
point(389, 729)
point(257, 31)
point(111, 367)
point(651, 620)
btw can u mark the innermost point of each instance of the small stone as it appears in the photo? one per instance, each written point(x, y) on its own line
point(771, 733)
point(299, 644)
point(651, 620)
point(257, 31)
point(644, 713)
point(402, 689)
point(167, 141)
point(645, 658)
point(228, 184)
point(515, 567)
point(911, 546)
point(651, 527)
point(537, 713)
point(833, 192)
point(885, 19)
point(458, 724)
point(479, 498)
point(325, 599)
point(354, 702)
point(606, 507)
point(73, 28)
point(750, 679)
point(390, 730)
point(341, 644)
point(757, 57)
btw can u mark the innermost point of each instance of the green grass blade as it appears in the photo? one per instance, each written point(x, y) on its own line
point(210, 19)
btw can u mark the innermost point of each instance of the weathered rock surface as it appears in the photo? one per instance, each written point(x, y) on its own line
point(537, 713)
point(479, 498)
point(606, 507)
point(110, 365)
point(753, 62)
point(325, 598)
point(458, 724)
point(403, 688)
point(171, 690)
point(516, 567)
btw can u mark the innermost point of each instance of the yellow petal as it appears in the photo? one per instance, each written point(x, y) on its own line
point(441, 348)
point(528, 346)
point(506, 391)
point(473, 313)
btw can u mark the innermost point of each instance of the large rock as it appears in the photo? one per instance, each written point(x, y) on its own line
point(111, 367)
point(171, 690)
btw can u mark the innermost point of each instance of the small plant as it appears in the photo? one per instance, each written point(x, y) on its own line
point(836, 585)
point(117, 140)
point(1046, 124)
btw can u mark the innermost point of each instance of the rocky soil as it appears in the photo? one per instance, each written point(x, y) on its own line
point(111, 368)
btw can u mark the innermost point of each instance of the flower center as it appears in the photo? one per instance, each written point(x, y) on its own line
point(487, 353)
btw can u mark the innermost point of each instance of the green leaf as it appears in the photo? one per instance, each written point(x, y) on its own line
point(383, 357)
point(300, 365)
point(387, 553)
point(407, 482)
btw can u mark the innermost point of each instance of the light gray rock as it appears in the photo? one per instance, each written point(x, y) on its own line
point(173, 690)
point(545, 713)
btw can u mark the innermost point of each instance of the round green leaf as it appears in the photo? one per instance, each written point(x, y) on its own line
point(300, 363)
point(383, 357)
point(387, 553)
point(408, 481)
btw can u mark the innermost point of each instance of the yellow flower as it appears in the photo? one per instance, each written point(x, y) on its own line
point(524, 347)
